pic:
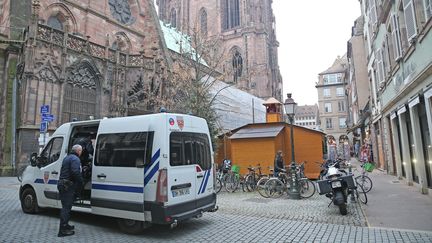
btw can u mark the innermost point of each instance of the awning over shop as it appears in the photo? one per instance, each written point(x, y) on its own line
point(257, 132)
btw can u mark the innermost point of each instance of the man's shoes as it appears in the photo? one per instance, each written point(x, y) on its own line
point(65, 232)
point(69, 227)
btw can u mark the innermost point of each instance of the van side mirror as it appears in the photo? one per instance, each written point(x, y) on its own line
point(33, 159)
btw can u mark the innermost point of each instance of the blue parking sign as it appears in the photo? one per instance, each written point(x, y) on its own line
point(43, 127)
point(45, 109)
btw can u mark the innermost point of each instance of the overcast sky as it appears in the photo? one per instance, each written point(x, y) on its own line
point(311, 35)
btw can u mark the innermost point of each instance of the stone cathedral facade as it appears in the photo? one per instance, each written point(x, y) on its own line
point(247, 31)
point(84, 59)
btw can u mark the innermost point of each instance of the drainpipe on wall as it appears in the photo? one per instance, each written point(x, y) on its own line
point(13, 127)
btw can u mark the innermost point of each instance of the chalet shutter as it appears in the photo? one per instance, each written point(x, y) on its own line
point(428, 8)
point(397, 45)
point(410, 20)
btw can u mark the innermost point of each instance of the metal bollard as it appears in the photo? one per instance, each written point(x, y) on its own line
point(294, 191)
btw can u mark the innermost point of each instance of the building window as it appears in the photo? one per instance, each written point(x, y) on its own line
point(230, 14)
point(326, 92)
point(173, 18)
point(341, 106)
point(203, 20)
point(340, 92)
point(79, 103)
point(237, 64)
point(332, 78)
point(410, 19)
point(342, 123)
point(55, 23)
point(327, 107)
point(329, 124)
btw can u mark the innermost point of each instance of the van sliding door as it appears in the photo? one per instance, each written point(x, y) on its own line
point(118, 173)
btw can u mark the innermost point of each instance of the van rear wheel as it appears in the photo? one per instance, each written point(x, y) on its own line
point(29, 201)
point(130, 226)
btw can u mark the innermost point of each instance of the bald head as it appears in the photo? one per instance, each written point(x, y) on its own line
point(77, 149)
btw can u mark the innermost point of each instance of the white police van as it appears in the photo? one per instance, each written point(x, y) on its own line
point(149, 169)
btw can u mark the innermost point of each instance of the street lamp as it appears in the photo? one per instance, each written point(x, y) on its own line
point(290, 107)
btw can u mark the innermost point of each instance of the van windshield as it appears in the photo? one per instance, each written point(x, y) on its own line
point(190, 148)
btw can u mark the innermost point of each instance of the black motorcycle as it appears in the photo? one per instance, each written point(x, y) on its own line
point(337, 187)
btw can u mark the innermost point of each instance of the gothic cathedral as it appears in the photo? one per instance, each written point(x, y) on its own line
point(246, 29)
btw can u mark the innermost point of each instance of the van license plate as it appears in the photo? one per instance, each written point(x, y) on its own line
point(180, 192)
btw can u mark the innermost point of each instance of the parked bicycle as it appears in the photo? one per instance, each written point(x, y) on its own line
point(232, 179)
point(277, 186)
point(252, 178)
point(364, 180)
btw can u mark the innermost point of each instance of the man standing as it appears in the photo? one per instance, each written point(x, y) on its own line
point(279, 165)
point(70, 182)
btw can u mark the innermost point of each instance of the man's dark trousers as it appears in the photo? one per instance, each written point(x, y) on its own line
point(66, 198)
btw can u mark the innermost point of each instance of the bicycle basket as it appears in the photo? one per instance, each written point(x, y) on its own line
point(369, 167)
point(235, 169)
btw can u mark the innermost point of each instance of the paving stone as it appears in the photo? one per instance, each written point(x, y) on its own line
point(242, 217)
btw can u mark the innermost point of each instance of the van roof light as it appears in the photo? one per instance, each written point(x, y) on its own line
point(163, 110)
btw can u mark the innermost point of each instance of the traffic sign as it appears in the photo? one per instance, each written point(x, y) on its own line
point(45, 109)
point(47, 117)
point(43, 126)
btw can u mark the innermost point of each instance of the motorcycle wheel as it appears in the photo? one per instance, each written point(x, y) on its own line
point(343, 209)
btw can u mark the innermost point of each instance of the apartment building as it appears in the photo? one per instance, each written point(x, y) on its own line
point(332, 100)
point(398, 40)
point(307, 116)
point(357, 89)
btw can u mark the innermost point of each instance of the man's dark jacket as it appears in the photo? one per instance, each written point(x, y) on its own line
point(71, 170)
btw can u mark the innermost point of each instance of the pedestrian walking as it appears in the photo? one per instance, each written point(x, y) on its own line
point(69, 185)
point(356, 148)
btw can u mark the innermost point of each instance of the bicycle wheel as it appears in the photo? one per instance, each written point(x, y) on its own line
point(307, 188)
point(361, 194)
point(218, 186)
point(231, 183)
point(365, 182)
point(274, 187)
point(250, 183)
point(261, 187)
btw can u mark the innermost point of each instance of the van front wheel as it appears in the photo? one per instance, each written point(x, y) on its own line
point(29, 201)
point(130, 226)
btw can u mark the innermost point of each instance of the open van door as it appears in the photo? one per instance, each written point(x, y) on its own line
point(118, 172)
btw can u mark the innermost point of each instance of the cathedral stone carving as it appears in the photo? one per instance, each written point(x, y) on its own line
point(120, 10)
point(82, 77)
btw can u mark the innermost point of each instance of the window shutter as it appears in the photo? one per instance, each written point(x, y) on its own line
point(386, 57)
point(380, 65)
point(428, 8)
point(397, 45)
point(410, 20)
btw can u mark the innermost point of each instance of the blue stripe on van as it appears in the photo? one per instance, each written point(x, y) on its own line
point(206, 180)
point(151, 174)
point(202, 182)
point(154, 158)
point(41, 181)
point(118, 188)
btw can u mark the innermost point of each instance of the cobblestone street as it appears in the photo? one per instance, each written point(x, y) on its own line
point(242, 217)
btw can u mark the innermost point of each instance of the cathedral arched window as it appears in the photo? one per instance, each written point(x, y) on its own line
point(55, 22)
point(237, 65)
point(80, 94)
point(203, 20)
point(173, 18)
point(230, 14)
